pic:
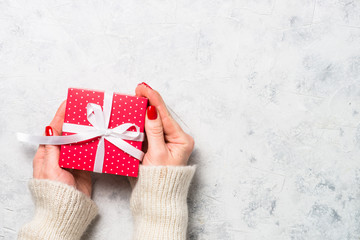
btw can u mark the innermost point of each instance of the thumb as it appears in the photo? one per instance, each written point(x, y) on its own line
point(154, 128)
point(52, 152)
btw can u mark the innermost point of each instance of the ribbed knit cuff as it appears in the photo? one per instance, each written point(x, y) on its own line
point(61, 211)
point(159, 201)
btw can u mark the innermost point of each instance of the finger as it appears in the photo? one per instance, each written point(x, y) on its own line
point(83, 181)
point(154, 129)
point(52, 152)
point(38, 160)
point(170, 126)
point(58, 119)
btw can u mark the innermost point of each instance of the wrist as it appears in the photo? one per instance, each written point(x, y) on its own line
point(60, 211)
point(164, 161)
point(160, 193)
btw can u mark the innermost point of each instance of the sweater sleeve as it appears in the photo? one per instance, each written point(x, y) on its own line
point(159, 202)
point(61, 212)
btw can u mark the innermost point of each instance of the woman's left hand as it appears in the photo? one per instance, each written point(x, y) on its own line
point(46, 160)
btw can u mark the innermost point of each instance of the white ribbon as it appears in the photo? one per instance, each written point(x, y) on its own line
point(99, 120)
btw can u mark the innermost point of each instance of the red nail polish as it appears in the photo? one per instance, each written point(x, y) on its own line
point(151, 113)
point(145, 85)
point(49, 131)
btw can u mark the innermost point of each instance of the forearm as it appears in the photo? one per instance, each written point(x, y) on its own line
point(61, 212)
point(159, 202)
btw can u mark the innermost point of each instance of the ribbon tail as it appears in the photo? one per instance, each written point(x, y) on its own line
point(57, 140)
point(126, 147)
point(99, 157)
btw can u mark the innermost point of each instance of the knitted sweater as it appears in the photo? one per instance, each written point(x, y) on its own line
point(158, 204)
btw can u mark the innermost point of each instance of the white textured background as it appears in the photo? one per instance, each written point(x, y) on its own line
point(270, 90)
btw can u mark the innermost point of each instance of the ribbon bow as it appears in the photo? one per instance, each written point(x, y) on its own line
point(99, 120)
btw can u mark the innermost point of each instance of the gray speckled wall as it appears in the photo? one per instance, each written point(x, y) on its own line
point(270, 90)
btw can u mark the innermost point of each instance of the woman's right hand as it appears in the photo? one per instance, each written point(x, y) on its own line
point(168, 144)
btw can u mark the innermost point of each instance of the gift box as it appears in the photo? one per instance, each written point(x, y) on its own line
point(120, 118)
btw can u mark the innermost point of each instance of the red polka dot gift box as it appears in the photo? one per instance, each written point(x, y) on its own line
point(116, 121)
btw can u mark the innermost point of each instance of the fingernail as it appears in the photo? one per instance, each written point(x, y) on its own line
point(49, 131)
point(143, 83)
point(151, 113)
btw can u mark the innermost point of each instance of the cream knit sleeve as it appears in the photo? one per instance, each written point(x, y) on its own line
point(159, 202)
point(61, 212)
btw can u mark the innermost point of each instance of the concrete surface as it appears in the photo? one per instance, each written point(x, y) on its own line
point(270, 90)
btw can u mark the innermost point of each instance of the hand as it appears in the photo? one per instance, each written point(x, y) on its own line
point(46, 160)
point(168, 144)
